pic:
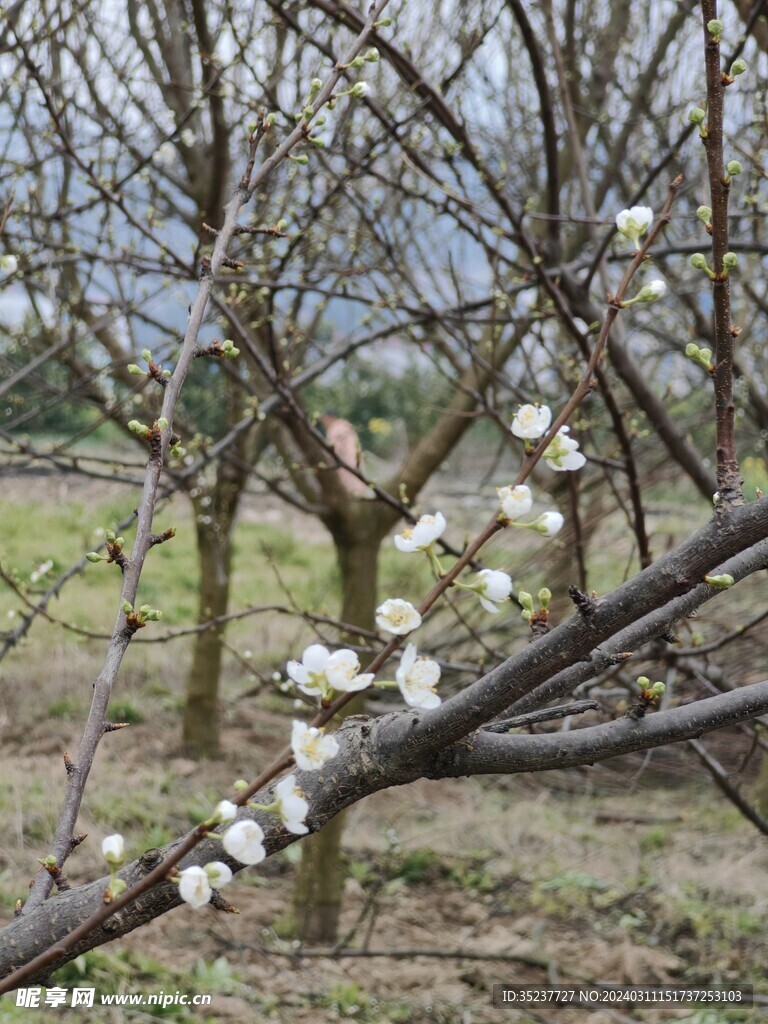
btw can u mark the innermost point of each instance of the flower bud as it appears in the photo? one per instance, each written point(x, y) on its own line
point(360, 89)
point(302, 159)
point(525, 600)
point(162, 423)
point(126, 608)
point(730, 261)
point(696, 115)
point(110, 536)
point(136, 370)
point(239, 785)
point(282, 225)
point(733, 167)
point(357, 62)
point(643, 682)
point(658, 689)
point(94, 556)
point(545, 596)
point(704, 213)
point(270, 119)
point(146, 355)
point(113, 849)
point(9, 264)
point(315, 86)
point(738, 67)
point(715, 28)
point(372, 56)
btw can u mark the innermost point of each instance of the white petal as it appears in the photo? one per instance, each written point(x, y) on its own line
point(315, 658)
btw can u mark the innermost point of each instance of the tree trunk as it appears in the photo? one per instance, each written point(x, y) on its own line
point(201, 713)
point(321, 874)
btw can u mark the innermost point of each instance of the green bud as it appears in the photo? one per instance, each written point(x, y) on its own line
point(360, 89)
point(545, 596)
point(138, 428)
point(94, 556)
point(136, 370)
point(303, 159)
point(696, 115)
point(722, 582)
point(162, 423)
point(270, 119)
point(117, 887)
point(127, 608)
point(658, 689)
point(119, 542)
point(738, 67)
point(699, 261)
point(733, 167)
point(228, 345)
point(525, 600)
point(153, 615)
point(240, 785)
point(357, 62)
point(526, 614)
point(730, 261)
point(110, 536)
point(233, 353)
point(166, 373)
point(383, 23)
point(704, 213)
point(715, 28)
point(643, 682)
point(372, 56)
point(315, 86)
point(146, 355)
point(320, 121)
point(281, 226)
point(315, 141)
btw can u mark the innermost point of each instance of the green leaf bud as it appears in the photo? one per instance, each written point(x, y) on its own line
point(302, 159)
point(722, 582)
point(715, 28)
point(372, 56)
point(545, 596)
point(696, 115)
point(94, 556)
point(162, 423)
point(146, 355)
point(110, 536)
point(525, 600)
point(136, 370)
point(270, 119)
point(357, 62)
point(658, 689)
point(127, 608)
point(281, 226)
point(733, 167)
point(738, 67)
point(643, 682)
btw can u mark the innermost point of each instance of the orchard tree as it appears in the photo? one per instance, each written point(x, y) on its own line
point(505, 272)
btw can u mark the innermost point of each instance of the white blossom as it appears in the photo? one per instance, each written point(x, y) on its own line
point(492, 586)
point(562, 453)
point(634, 222)
point(9, 264)
point(417, 678)
point(311, 748)
point(194, 887)
point(319, 671)
point(419, 537)
point(397, 616)
point(113, 849)
point(219, 874)
point(515, 501)
point(531, 421)
point(188, 138)
point(549, 524)
point(224, 812)
point(292, 807)
point(244, 841)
